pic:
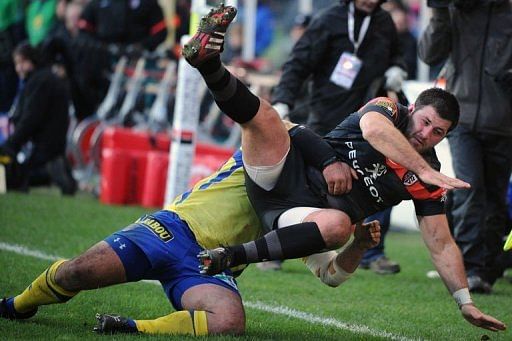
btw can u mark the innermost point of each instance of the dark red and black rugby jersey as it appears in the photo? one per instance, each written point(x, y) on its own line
point(382, 182)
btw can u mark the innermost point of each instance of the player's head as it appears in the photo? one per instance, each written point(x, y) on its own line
point(25, 58)
point(367, 6)
point(445, 104)
point(434, 114)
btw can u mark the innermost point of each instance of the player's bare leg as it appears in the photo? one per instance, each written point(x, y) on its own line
point(334, 225)
point(207, 309)
point(225, 312)
point(97, 267)
point(265, 140)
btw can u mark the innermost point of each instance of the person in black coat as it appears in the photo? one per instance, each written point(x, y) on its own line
point(109, 28)
point(322, 50)
point(41, 117)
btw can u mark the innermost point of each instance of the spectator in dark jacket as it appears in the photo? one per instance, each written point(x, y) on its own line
point(129, 26)
point(321, 51)
point(40, 117)
point(11, 33)
point(64, 49)
point(475, 37)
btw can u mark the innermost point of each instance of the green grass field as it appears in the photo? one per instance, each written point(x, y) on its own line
point(288, 305)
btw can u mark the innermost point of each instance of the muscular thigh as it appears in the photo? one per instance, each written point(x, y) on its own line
point(291, 190)
point(265, 140)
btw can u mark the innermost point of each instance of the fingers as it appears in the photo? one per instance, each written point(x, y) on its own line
point(348, 187)
point(477, 318)
point(438, 179)
point(339, 179)
point(337, 187)
point(489, 322)
point(353, 173)
point(330, 187)
point(341, 187)
point(453, 183)
point(461, 184)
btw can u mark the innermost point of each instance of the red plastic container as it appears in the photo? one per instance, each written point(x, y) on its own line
point(155, 180)
point(134, 166)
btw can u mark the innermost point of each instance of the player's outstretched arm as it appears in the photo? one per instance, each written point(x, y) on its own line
point(448, 262)
point(387, 139)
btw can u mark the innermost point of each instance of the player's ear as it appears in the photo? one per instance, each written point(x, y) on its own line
point(411, 108)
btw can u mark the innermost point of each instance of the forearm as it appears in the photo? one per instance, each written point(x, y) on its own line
point(350, 257)
point(450, 267)
point(444, 252)
point(315, 150)
point(388, 140)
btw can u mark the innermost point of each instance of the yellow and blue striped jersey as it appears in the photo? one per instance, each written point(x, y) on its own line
point(217, 209)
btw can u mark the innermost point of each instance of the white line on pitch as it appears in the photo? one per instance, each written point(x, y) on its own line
point(279, 310)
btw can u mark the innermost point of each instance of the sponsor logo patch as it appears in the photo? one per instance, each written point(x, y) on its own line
point(409, 178)
point(389, 105)
point(377, 170)
point(158, 229)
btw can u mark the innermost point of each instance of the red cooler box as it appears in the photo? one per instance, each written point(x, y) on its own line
point(122, 176)
point(134, 166)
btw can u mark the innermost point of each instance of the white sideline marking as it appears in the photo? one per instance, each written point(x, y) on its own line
point(331, 322)
point(278, 310)
point(21, 250)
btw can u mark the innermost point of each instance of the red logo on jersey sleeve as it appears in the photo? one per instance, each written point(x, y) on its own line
point(416, 188)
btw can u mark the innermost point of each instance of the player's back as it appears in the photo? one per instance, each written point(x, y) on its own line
point(217, 209)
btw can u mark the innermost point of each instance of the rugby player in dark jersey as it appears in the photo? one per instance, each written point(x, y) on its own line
point(390, 147)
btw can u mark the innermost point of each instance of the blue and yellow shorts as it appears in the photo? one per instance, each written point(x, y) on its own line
point(160, 246)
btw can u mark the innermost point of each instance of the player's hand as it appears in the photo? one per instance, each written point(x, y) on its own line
point(338, 176)
point(479, 319)
point(433, 177)
point(367, 235)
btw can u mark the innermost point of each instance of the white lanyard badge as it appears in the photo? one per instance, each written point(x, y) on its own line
point(349, 65)
point(362, 31)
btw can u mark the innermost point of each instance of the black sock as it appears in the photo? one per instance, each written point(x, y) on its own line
point(231, 95)
point(294, 241)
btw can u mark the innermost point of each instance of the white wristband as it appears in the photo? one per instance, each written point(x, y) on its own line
point(462, 297)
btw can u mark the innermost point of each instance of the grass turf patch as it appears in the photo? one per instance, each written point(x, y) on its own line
point(407, 305)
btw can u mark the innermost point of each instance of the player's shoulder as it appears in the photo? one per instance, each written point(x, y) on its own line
point(383, 105)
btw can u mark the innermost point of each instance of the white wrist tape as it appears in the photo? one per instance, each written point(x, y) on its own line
point(462, 297)
point(320, 265)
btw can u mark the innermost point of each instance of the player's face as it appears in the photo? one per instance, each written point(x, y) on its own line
point(23, 66)
point(367, 6)
point(426, 128)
